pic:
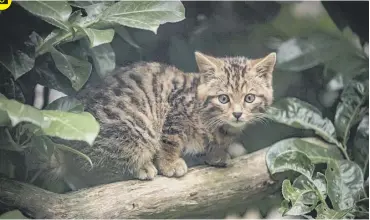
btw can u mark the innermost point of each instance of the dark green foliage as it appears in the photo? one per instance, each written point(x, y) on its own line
point(333, 191)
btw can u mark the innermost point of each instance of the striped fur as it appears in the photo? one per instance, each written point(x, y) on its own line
point(151, 114)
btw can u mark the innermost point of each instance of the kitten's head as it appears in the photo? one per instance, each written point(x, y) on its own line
point(235, 91)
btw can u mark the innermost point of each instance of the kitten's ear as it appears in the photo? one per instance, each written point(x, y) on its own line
point(206, 63)
point(265, 66)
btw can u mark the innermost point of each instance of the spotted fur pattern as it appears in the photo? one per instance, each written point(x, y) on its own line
point(151, 114)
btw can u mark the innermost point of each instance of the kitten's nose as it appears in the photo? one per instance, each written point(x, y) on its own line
point(237, 114)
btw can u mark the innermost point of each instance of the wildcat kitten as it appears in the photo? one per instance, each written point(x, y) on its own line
point(150, 114)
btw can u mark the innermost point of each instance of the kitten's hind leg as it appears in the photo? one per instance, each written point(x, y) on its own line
point(168, 160)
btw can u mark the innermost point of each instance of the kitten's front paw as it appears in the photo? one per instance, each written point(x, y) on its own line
point(177, 168)
point(146, 172)
point(218, 160)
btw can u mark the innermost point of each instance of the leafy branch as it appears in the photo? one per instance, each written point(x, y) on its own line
point(336, 190)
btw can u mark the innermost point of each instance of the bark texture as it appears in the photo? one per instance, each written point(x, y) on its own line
point(202, 192)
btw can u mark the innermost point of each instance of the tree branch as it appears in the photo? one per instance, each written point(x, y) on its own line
point(203, 191)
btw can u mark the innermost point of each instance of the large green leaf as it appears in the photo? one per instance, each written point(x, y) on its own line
point(53, 12)
point(18, 112)
point(94, 12)
point(18, 62)
point(146, 15)
point(83, 4)
point(71, 126)
point(316, 150)
point(98, 37)
point(324, 212)
point(317, 183)
point(103, 57)
point(302, 53)
point(351, 109)
point(66, 103)
point(77, 71)
point(345, 180)
point(66, 125)
point(287, 160)
point(300, 199)
point(299, 114)
point(361, 144)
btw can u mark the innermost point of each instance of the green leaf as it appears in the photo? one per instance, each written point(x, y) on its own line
point(56, 37)
point(53, 12)
point(297, 55)
point(66, 103)
point(77, 71)
point(317, 183)
point(104, 59)
point(361, 144)
point(320, 182)
point(299, 114)
point(146, 15)
point(97, 8)
point(94, 12)
point(320, 21)
point(17, 62)
point(15, 214)
point(284, 207)
point(78, 153)
point(18, 112)
point(71, 126)
point(36, 39)
point(353, 60)
point(316, 150)
point(324, 212)
point(351, 109)
point(345, 180)
point(98, 37)
point(83, 4)
point(52, 77)
point(304, 52)
point(281, 160)
point(299, 198)
point(122, 32)
point(66, 125)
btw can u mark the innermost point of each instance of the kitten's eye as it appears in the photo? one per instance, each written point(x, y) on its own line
point(223, 99)
point(250, 98)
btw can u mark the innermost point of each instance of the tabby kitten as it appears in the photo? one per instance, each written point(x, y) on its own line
point(151, 114)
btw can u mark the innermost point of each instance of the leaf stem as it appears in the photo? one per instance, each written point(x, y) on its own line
point(365, 165)
point(343, 148)
point(63, 37)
